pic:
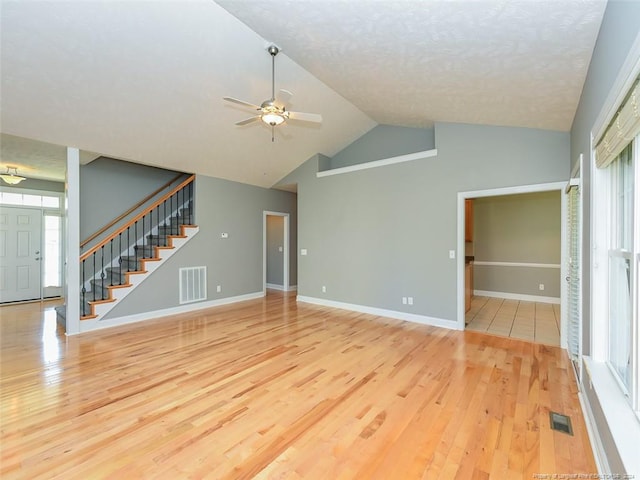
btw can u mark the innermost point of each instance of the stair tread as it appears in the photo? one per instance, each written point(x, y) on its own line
point(96, 302)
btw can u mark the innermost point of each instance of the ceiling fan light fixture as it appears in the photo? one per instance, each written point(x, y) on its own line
point(272, 118)
point(12, 178)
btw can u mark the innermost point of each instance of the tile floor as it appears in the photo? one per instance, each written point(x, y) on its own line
point(533, 321)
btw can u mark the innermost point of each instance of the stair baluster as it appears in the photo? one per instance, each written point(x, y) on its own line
point(120, 256)
point(84, 293)
point(168, 223)
point(102, 275)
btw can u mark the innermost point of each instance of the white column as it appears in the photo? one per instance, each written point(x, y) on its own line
point(72, 254)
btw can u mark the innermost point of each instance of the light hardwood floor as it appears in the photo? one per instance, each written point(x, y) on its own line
point(271, 389)
point(533, 321)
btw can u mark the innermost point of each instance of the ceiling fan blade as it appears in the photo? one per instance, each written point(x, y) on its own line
point(248, 120)
point(306, 117)
point(241, 102)
point(284, 96)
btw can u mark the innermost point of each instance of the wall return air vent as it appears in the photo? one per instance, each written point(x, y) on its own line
point(193, 284)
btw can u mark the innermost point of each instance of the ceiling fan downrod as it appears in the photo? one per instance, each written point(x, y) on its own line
point(273, 51)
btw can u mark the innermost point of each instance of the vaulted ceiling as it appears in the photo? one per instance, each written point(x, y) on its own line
point(144, 81)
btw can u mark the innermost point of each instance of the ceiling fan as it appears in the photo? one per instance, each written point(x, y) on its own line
point(272, 111)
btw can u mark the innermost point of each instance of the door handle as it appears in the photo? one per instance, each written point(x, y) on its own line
point(37, 258)
point(568, 278)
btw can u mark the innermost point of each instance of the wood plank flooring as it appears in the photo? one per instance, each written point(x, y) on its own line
point(271, 389)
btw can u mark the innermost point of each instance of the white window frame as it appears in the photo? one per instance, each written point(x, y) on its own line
point(602, 240)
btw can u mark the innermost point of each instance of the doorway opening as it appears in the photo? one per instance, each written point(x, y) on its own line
point(275, 251)
point(493, 262)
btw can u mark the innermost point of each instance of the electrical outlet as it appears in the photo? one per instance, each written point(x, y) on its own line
point(410, 300)
point(541, 286)
point(219, 288)
point(404, 300)
point(324, 289)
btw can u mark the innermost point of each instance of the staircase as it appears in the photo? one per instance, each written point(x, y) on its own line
point(115, 266)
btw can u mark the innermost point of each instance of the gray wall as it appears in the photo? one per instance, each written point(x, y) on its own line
point(110, 187)
point(376, 235)
point(234, 263)
point(522, 228)
point(619, 29)
point(384, 141)
point(37, 184)
point(275, 241)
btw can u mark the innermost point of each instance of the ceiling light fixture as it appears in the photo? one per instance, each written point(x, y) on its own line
point(272, 112)
point(12, 178)
point(272, 115)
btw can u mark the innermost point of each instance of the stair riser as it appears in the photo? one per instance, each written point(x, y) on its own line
point(157, 240)
point(145, 251)
point(175, 221)
point(100, 289)
point(130, 264)
point(95, 295)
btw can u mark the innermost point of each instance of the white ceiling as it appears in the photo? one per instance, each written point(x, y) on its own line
point(144, 81)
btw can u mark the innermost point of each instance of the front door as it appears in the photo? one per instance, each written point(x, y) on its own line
point(20, 242)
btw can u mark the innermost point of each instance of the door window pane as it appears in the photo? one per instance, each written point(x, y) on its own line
point(52, 251)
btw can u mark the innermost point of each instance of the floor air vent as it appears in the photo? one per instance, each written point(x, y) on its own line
point(193, 284)
point(561, 423)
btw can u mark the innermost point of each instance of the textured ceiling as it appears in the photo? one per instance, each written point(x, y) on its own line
point(44, 161)
point(496, 62)
point(144, 81)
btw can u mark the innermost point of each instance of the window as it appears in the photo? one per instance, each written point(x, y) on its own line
point(52, 251)
point(622, 177)
point(616, 247)
point(29, 200)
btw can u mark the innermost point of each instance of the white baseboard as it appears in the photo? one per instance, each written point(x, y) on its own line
point(409, 317)
point(597, 449)
point(517, 296)
point(90, 325)
point(273, 286)
point(620, 419)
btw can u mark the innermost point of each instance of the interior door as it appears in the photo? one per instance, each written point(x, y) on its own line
point(20, 243)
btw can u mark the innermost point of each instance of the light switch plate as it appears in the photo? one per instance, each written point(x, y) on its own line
point(303, 251)
point(452, 254)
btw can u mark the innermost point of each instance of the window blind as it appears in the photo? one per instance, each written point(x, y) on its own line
point(574, 297)
point(622, 129)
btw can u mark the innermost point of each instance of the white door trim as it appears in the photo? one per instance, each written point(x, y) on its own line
point(493, 192)
point(285, 253)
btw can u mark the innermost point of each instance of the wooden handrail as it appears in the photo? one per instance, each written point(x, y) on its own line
point(132, 209)
point(85, 255)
